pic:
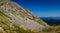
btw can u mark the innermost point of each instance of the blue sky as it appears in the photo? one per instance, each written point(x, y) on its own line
point(41, 8)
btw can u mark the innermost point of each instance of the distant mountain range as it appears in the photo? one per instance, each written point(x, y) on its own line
point(51, 20)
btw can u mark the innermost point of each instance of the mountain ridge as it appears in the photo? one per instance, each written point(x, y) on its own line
point(51, 20)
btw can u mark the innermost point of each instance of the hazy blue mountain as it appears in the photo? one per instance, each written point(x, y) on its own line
point(51, 20)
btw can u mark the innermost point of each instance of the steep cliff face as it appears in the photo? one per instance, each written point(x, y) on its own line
point(13, 15)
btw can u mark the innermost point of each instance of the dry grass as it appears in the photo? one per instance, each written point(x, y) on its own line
point(52, 29)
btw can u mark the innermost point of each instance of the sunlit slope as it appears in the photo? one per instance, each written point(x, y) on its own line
point(13, 16)
point(7, 26)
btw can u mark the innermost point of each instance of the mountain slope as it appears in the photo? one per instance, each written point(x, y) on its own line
point(7, 26)
point(13, 17)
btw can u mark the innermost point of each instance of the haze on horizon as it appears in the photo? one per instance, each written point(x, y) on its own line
point(42, 8)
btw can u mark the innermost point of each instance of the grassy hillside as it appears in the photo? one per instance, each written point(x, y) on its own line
point(9, 27)
point(52, 29)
